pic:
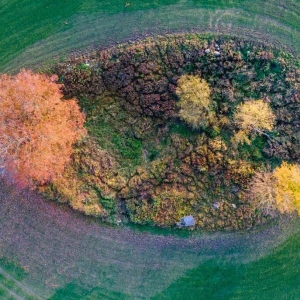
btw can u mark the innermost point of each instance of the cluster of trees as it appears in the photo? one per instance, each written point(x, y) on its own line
point(37, 128)
point(129, 99)
point(196, 109)
point(271, 191)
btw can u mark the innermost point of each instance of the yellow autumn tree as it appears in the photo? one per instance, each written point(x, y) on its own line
point(252, 117)
point(287, 188)
point(279, 189)
point(194, 100)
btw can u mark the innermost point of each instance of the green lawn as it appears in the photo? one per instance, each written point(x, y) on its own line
point(11, 286)
point(35, 31)
point(48, 252)
point(274, 276)
point(66, 257)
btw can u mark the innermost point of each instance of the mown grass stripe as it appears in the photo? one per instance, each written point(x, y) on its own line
point(37, 29)
point(17, 286)
point(10, 292)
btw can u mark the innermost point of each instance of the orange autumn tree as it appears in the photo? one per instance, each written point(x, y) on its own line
point(37, 128)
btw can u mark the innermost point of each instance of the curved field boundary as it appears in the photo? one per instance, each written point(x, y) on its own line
point(271, 22)
point(61, 250)
point(57, 246)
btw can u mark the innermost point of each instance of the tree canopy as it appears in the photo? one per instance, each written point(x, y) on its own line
point(287, 188)
point(194, 95)
point(252, 117)
point(37, 127)
point(279, 189)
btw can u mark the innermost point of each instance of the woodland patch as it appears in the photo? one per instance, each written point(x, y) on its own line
point(144, 164)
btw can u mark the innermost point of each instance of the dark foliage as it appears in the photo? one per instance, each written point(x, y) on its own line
point(171, 170)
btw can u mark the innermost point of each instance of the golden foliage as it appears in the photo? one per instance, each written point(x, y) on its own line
point(240, 171)
point(254, 116)
point(240, 137)
point(91, 169)
point(194, 94)
point(278, 190)
point(287, 187)
point(37, 128)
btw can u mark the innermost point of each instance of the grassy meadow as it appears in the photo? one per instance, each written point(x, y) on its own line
point(36, 32)
point(49, 252)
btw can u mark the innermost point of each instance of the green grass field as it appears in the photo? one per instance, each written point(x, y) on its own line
point(274, 276)
point(33, 32)
point(11, 286)
point(46, 252)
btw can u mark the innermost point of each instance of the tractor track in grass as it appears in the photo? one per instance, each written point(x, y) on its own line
point(19, 285)
point(58, 246)
point(103, 28)
point(10, 292)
